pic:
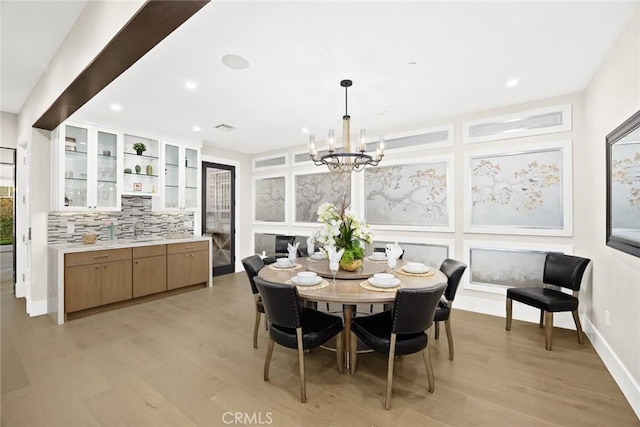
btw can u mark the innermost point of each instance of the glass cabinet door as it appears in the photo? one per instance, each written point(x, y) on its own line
point(172, 176)
point(107, 170)
point(191, 179)
point(75, 166)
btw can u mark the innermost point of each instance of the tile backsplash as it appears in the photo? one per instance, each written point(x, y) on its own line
point(134, 209)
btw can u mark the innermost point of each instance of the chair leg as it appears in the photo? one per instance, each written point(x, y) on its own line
point(340, 352)
point(303, 387)
point(256, 325)
point(447, 326)
point(267, 360)
point(548, 329)
point(426, 355)
point(576, 319)
point(541, 318)
point(266, 323)
point(436, 325)
point(392, 352)
point(354, 352)
point(509, 313)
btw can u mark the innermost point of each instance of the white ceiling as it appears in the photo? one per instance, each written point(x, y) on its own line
point(464, 52)
point(30, 34)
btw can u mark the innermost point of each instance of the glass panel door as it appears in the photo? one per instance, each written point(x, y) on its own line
point(75, 166)
point(7, 220)
point(107, 185)
point(191, 178)
point(172, 176)
point(218, 213)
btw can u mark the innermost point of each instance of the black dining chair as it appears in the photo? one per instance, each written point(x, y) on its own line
point(453, 270)
point(252, 265)
point(565, 271)
point(294, 326)
point(399, 331)
point(281, 248)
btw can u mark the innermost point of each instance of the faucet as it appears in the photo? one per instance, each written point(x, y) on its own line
point(138, 229)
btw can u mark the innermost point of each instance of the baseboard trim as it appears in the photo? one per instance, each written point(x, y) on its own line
point(36, 308)
point(621, 375)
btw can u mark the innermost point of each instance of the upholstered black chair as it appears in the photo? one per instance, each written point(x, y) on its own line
point(252, 265)
point(399, 331)
point(559, 270)
point(294, 326)
point(453, 270)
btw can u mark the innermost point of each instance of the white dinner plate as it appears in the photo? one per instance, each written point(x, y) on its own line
point(415, 271)
point(384, 258)
point(295, 281)
point(319, 256)
point(372, 280)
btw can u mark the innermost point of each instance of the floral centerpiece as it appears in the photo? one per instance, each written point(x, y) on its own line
point(342, 229)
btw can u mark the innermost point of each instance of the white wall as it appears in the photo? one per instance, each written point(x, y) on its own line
point(612, 96)
point(8, 136)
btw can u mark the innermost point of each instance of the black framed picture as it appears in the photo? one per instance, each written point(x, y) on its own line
point(623, 186)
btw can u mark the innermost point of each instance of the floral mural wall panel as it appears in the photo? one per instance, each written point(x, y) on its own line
point(625, 189)
point(518, 190)
point(312, 190)
point(270, 199)
point(407, 194)
point(264, 242)
point(506, 267)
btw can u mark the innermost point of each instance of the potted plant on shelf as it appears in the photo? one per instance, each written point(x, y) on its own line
point(342, 229)
point(139, 147)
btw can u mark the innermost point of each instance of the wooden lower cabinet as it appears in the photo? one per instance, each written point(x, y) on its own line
point(96, 278)
point(187, 264)
point(149, 270)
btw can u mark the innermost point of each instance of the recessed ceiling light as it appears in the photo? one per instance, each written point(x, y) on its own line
point(512, 82)
point(305, 130)
point(116, 107)
point(196, 128)
point(235, 61)
point(412, 64)
point(190, 85)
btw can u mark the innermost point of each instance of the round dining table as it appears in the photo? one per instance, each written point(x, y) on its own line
point(349, 289)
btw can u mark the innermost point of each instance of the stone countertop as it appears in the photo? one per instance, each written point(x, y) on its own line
point(65, 248)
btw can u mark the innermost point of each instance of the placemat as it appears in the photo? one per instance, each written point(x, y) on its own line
point(320, 285)
point(368, 286)
point(406, 273)
point(296, 266)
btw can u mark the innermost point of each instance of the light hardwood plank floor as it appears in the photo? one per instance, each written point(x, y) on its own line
point(188, 360)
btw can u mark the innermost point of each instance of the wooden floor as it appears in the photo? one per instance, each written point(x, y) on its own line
point(188, 360)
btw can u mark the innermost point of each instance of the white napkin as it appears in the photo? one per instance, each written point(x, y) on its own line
point(293, 251)
point(310, 248)
point(393, 251)
point(334, 256)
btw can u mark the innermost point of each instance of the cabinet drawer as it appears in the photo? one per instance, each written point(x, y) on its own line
point(147, 251)
point(93, 257)
point(180, 248)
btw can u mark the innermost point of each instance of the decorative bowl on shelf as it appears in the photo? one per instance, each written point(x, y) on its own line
point(89, 239)
point(127, 170)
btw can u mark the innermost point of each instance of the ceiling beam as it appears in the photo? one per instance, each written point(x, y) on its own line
point(155, 20)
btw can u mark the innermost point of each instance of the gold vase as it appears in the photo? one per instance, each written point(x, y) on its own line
point(351, 266)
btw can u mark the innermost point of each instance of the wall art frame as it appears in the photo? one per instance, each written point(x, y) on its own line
point(525, 191)
point(540, 121)
point(415, 194)
point(494, 267)
point(270, 199)
point(623, 186)
point(314, 186)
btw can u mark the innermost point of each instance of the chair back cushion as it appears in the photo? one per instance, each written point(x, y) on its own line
point(453, 270)
point(415, 308)
point(282, 242)
point(281, 303)
point(252, 265)
point(564, 270)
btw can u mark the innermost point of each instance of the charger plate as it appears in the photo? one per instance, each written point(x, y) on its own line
point(368, 286)
point(320, 285)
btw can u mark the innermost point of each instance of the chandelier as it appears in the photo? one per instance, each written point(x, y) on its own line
point(346, 160)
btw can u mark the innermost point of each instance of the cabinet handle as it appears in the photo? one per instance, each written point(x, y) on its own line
point(97, 267)
point(100, 256)
point(189, 247)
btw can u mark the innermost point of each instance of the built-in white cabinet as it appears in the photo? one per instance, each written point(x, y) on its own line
point(86, 161)
point(180, 181)
point(141, 167)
